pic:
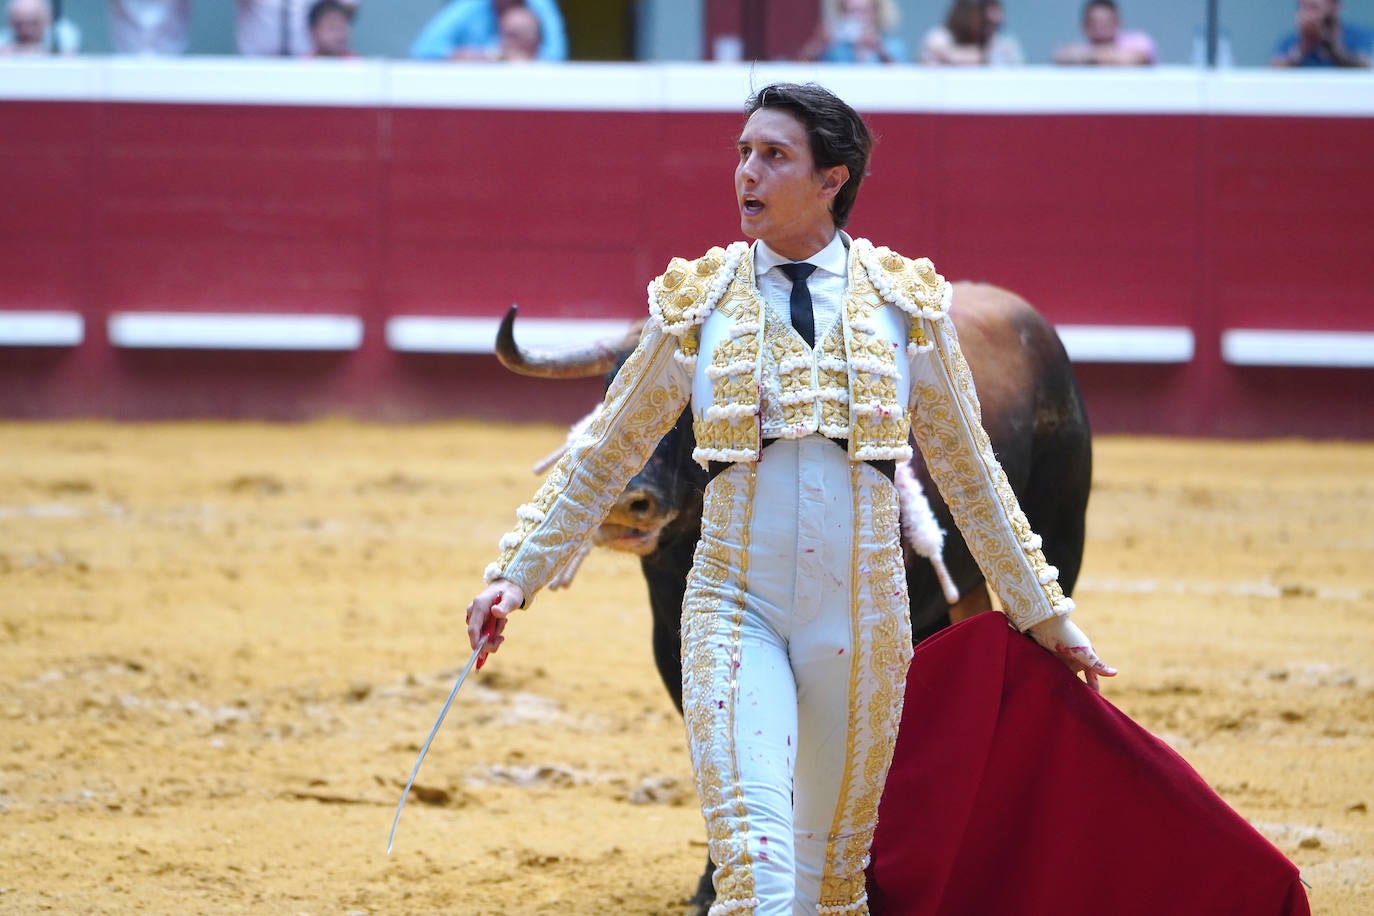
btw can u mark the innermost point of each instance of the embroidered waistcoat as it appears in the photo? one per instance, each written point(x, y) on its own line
point(755, 378)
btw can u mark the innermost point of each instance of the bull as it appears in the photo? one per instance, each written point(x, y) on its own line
point(1033, 412)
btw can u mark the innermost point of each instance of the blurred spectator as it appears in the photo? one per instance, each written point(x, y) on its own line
point(1107, 43)
point(158, 27)
point(470, 29)
point(275, 28)
point(30, 30)
point(1003, 48)
point(1322, 40)
point(518, 36)
point(521, 35)
point(856, 32)
point(963, 38)
point(331, 28)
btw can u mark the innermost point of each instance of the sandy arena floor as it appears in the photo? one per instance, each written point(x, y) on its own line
point(223, 644)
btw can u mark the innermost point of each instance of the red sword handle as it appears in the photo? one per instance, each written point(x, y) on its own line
point(489, 630)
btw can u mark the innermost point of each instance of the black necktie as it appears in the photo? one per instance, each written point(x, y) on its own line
point(802, 318)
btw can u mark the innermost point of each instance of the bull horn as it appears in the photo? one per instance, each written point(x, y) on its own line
point(569, 362)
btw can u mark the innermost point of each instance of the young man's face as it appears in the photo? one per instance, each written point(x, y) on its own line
point(331, 35)
point(784, 200)
point(1313, 14)
point(519, 34)
point(1100, 24)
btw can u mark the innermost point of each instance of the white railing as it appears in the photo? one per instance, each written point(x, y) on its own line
point(684, 87)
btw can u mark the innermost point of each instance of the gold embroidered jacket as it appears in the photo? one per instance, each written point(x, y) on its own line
point(889, 366)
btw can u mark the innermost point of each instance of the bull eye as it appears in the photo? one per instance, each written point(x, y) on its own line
point(641, 506)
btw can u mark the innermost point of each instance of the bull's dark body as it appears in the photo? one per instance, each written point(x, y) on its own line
point(665, 570)
point(1034, 414)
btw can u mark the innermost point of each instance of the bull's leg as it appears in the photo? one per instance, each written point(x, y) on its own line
point(700, 902)
point(665, 573)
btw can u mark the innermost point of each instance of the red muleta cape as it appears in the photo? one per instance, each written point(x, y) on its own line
point(1017, 791)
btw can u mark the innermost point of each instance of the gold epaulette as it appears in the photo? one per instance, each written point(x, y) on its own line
point(685, 293)
point(909, 283)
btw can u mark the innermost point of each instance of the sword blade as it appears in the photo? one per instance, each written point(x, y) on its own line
point(395, 822)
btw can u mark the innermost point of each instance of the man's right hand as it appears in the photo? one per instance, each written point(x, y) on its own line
point(496, 601)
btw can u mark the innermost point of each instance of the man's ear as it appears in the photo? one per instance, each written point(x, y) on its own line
point(832, 179)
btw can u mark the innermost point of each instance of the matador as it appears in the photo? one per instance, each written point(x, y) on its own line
point(805, 384)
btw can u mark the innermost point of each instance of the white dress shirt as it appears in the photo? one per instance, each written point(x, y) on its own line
point(826, 284)
point(160, 27)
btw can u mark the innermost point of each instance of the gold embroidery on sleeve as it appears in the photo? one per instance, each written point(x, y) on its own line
point(641, 405)
point(960, 457)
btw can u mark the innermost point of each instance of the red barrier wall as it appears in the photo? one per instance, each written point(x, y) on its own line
point(1196, 219)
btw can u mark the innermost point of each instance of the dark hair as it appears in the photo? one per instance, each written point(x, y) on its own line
point(319, 8)
point(967, 22)
point(838, 136)
point(1109, 4)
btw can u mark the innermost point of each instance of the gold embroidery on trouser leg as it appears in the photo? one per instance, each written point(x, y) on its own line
point(711, 647)
point(880, 655)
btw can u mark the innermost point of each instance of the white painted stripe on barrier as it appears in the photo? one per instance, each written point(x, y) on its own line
point(50, 79)
point(709, 87)
point(41, 329)
point(1302, 92)
point(441, 334)
point(1027, 90)
point(437, 334)
point(1315, 349)
point(724, 87)
point(1056, 90)
point(228, 81)
point(216, 331)
point(532, 86)
point(1090, 343)
point(683, 86)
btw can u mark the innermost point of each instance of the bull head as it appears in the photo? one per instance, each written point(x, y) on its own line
point(657, 495)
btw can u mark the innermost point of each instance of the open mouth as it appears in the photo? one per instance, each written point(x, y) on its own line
point(751, 206)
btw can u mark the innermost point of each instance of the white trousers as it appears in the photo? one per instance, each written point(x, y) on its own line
point(796, 641)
